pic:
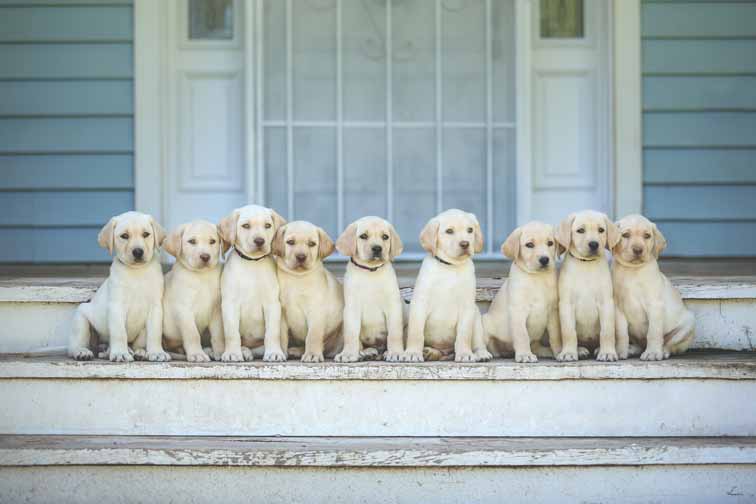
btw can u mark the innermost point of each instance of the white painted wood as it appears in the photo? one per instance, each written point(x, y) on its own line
point(566, 485)
point(371, 452)
point(524, 132)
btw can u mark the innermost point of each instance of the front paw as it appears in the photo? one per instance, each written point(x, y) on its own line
point(431, 354)
point(160, 356)
point(230, 356)
point(216, 356)
point(483, 356)
point(120, 356)
point(607, 356)
point(247, 354)
point(583, 352)
point(312, 357)
point(464, 357)
point(370, 354)
point(81, 354)
point(526, 357)
point(412, 357)
point(565, 356)
point(140, 354)
point(274, 356)
point(197, 357)
point(392, 356)
point(347, 356)
point(652, 355)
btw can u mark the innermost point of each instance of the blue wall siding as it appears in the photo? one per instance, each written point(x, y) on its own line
point(699, 124)
point(66, 126)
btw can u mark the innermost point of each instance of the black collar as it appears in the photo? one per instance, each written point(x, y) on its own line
point(442, 261)
point(243, 256)
point(365, 267)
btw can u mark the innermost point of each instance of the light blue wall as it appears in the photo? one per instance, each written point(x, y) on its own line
point(699, 122)
point(66, 126)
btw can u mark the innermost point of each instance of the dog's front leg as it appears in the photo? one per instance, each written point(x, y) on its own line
point(463, 341)
point(352, 326)
point(655, 336)
point(78, 342)
point(314, 340)
point(607, 343)
point(555, 332)
point(118, 338)
point(273, 350)
point(622, 332)
point(395, 330)
point(217, 345)
point(154, 329)
point(569, 344)
point(518, 320)
point(479, 341)
point(190, 337)
point(416, 333)
point(232, 337)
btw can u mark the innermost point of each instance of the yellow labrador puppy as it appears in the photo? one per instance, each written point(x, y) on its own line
point(373, 320)
point(650, 311)
point(527, 305)
point(311, 297)
point(249, 287)
point(444, 320)
point(192, 298)
point(127, 308)
point(586, 302)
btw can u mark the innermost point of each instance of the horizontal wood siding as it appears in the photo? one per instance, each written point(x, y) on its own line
point(66, 126)
point(699, 124)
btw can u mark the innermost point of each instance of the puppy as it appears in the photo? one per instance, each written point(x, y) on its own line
point(249, 287)
point(444, 320)
point(527, 305)
point(127, 308)
point(373, 321)
point(192, 298)
point(311, 297)
point(586, 303)
point(649, 310)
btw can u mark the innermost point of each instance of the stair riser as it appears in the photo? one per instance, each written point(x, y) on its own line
point(610, 407)
point(103, 484)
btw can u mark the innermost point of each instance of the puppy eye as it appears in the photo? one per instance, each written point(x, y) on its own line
point(385, 237)
point(246, 225)
point(145, 234)
point(469, 230)
point(268, 225)
point(193, 241)
point(530, 244)
point(290, 242)
point(311, 244)
point(625, 235)
point(601, 230)
point(647, 236)
point(581, 230)
point(550, 243)
point(212, 242)
point(125, 236)
point(450, 231)
point(363, 236)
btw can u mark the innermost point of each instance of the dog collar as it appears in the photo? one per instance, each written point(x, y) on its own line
point(442, 261)
point(376, 268)
point(246, 257)
point(583, 259)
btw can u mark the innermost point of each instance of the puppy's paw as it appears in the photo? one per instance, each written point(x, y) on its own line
point(276, 355)
point(232, 356)
point(622, 354)
point(81, 354)
point(370, 354)
point(347, 356)
point(526, 357)
point(158, 356)
point(216, 356)
point(312, 357)
point(140, 354)
point(197, 357)
point(483, 356)
point(120, 356)
point(431, 354)
point(607, 356)
point(583, 352)
point(465, 357)
point(247, 354)
point(392, 356)
point(412, 357)
point(565, 356)
point(652, 355)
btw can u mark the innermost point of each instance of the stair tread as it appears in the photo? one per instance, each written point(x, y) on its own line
point(693, 365)
point(372, 451)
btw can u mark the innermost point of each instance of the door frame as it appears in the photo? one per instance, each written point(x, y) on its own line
point(150, 93)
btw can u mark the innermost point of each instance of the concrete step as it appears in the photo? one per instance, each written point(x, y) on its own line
point(37, 312)
point(699, 394)
point(335, 470)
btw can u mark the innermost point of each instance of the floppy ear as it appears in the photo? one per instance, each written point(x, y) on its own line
point(158, 232)
point(277, 246)
point(222, 243)
point(429, 236)
point(227, 227)
point(660, 243)
point(325, 247)
point(347, 242)
point(278, 221)
point(396, 243)
point(511, 246)
point(478, 236)
point(172, 243)
point(564, 232)
point(105, 237)
point(612, 234)
point(617, 248)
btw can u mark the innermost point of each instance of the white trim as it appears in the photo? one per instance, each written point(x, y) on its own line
point(252, 114)
point(524, 153)
point(626, 79)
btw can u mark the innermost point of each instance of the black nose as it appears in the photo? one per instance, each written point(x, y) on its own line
point(377, 249)
point(464, 244)
point(594, 245)
point(259, 241)
point(301, 257)
point(205, 257)
point(637, 251)
point(543, 260)
point(137, 253)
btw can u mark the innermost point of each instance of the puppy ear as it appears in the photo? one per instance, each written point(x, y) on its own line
point(277, 246)
point(172, 243)
point(478, 236)
point(617, 249)
point(278, 221)
point(396, 243)
point(325, 247)
point(564, 232)
point(227, 227)
point(347, 242)
point(157, 232)
point(222, 243)
point(511, 246)
point(660, 243)
point(105, 238)
point(612, 234)
point(429, 236)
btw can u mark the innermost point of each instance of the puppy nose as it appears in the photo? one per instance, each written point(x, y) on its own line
point(637, 250)
point(259, 241)
point(464, 244)
point(301, 257)
point(543, 260)
point(137, 253)
point(205, 257)
point(377, 249)
point(594, 245)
